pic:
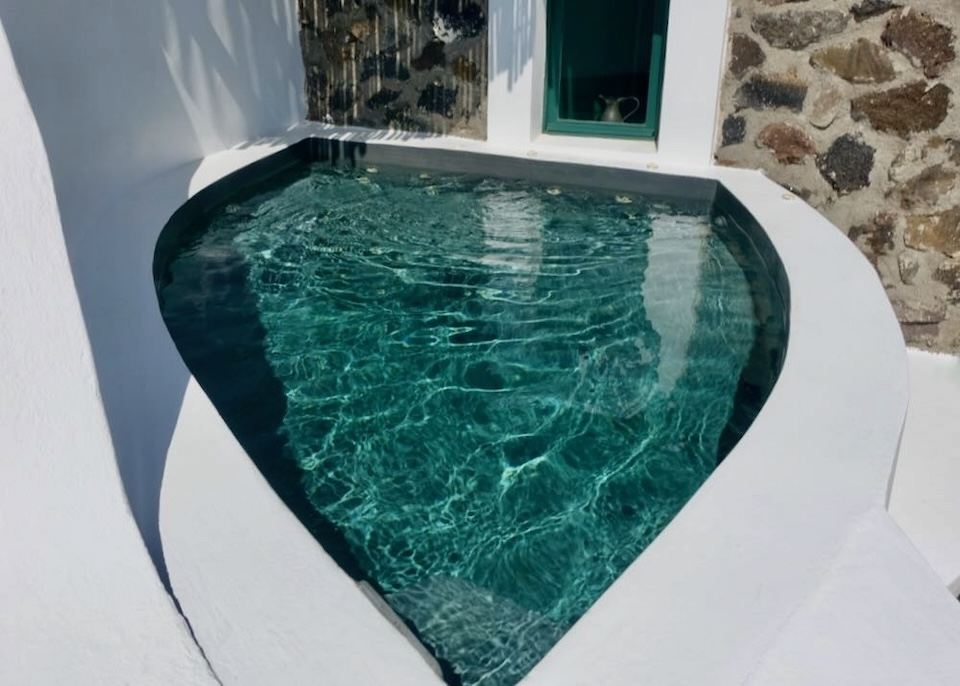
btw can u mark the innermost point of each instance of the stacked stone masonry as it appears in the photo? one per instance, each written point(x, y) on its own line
point(406, 65)
point(851, 105)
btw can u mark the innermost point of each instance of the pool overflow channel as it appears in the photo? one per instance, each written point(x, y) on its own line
point(484, 384)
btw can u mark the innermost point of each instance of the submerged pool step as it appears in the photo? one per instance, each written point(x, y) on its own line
point(383, 607)
point(487, 638)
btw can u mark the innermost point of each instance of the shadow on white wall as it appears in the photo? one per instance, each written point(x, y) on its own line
point(124, 92)
point(511, 32)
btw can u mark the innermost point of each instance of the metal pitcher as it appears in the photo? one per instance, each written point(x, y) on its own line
point(611, 110)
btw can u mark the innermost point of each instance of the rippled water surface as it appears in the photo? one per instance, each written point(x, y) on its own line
point(495, 395)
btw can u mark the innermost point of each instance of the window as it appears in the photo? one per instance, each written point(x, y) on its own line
point(604, 67)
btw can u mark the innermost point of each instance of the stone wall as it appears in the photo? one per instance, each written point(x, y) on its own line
point(850, 104)
point(410, 65)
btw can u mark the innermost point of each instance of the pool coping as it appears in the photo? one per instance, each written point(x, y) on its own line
point(832, 414)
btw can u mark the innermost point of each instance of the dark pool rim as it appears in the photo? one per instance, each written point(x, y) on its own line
point(292, 160)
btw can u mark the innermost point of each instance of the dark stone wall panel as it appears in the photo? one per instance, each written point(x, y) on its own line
point(412, 65)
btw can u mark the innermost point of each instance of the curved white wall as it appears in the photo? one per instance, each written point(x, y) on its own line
point(81, 601)
point(122, 92)
point(96, 98)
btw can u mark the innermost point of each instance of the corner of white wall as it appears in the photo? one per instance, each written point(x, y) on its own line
point(516, 45)
point(696, 38)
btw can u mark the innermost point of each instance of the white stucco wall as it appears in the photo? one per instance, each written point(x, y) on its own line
point(81, 602)
point(924, 500)
point(96, 98)
point(123, 91)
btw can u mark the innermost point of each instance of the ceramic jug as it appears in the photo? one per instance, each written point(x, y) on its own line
point(611, 110)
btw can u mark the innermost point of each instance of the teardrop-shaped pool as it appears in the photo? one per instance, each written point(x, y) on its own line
point(485, 396)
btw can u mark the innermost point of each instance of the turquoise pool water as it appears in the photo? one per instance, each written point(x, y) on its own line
point(486, 397)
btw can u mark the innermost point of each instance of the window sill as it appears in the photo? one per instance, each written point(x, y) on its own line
point(557, 142)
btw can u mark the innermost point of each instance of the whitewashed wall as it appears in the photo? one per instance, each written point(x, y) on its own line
point(123, 91)
point(96, 98)
point(81, 601)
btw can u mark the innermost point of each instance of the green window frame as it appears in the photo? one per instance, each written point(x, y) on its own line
point(560, 80)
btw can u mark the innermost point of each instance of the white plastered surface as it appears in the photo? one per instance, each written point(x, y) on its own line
point(81, 601)
point(925, 498)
